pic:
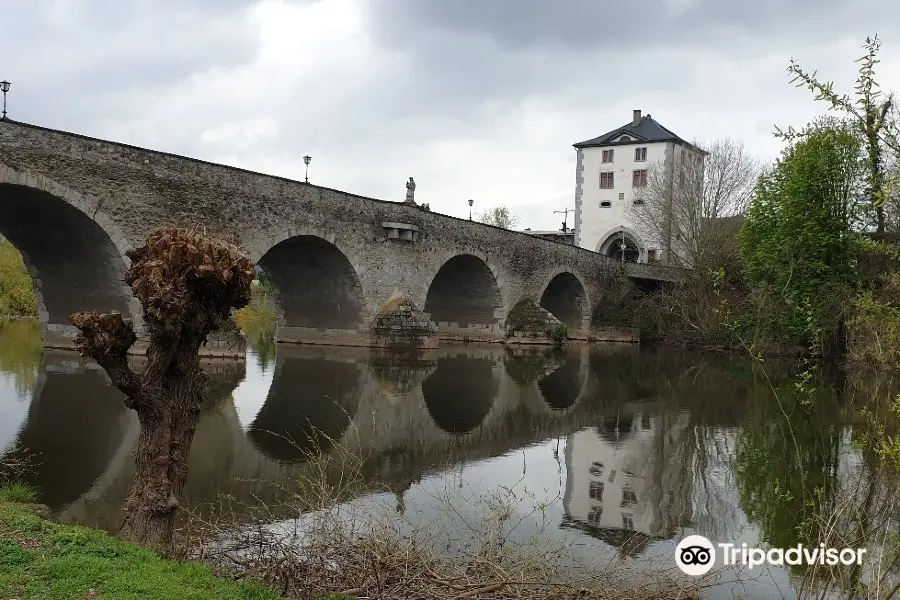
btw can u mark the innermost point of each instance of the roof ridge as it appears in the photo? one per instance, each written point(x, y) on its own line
point(646, 130)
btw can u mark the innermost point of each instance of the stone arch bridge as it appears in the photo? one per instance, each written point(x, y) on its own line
point(73, 205)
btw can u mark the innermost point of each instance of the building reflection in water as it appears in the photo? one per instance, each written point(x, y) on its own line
point(629, 481)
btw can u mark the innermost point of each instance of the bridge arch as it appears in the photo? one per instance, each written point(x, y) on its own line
point(610, 245)
point(73, 251)
point(460, 393)
point(317, 284)
point(464, 296)
point(76, 430)
point(566, 298)
point(562, 388)
point(311, 404)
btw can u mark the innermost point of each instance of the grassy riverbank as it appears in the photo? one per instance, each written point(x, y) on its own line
point(42, 560)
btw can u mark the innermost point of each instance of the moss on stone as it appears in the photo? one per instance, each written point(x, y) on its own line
point(399, 318)
point(525, 368)
point(529, 319)
point(526, 316)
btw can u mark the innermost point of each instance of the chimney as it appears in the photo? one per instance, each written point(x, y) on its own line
point(636, 118)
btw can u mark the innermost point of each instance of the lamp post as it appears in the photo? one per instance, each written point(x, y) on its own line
point(306, 160)
point(565, 213)
point(4, 87)
point(471, 202)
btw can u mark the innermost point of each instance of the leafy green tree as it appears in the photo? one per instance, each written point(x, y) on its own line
point(797, 240)
point(873, 118)
point(498, 216)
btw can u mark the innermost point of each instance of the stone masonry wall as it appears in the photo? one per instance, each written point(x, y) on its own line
point(129, 192)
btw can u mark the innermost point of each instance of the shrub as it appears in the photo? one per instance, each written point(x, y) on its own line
point(17, 297)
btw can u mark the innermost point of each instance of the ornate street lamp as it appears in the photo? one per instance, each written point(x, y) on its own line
point(306, 160)
point(471, 202)
point(4, 87)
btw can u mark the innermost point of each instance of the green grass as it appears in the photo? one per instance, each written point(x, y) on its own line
point(41, 560)
point(17, 298)
point(18, 492)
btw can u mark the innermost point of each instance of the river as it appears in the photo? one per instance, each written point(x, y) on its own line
point(617, 450)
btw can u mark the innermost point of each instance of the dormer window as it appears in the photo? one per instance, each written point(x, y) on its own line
point(607, 156)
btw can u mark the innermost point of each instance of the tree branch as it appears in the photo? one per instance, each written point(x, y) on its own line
point(107, 338)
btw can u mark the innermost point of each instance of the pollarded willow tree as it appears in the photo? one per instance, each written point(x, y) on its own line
point(187, 285)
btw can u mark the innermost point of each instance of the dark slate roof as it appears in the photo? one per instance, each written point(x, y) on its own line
point(647, 130)
point(630, 542)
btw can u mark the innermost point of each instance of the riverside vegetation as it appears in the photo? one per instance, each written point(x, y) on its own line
point(810, 268)
point(17, 299)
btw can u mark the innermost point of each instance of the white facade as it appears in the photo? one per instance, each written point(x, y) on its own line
point(640, 483)
point(609, 170)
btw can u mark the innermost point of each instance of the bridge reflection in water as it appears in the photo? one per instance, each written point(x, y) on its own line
point(409, 418)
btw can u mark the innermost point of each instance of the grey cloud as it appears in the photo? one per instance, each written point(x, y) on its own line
point(587, 24)
point(473, 60)
point(73, 63)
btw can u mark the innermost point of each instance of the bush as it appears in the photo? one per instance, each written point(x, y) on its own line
point(260, 314)
point(18, 492)
point(873, 330)
point(17, 297)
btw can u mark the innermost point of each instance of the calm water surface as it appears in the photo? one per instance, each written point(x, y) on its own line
point(629, 449)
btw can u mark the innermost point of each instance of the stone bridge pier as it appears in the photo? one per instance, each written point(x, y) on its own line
point(349, 270)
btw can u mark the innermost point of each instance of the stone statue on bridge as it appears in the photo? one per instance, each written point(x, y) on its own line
point(410, 192)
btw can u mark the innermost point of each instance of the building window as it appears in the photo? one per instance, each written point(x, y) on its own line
point(596, 469)
point(629, 498)
point(651, 256)
point(621, 196)
point(627, 522)
point(612, 475)
point(607, 156)
point(640, 154)
point(606, 180)
point(595, 490)
point(595, 514)
point(605, 204)
point(639, 178)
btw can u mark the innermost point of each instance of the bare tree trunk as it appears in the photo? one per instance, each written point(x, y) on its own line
point(161, 458)
point(187, 285)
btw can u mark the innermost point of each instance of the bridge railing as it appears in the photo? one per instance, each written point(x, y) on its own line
point(658, 272)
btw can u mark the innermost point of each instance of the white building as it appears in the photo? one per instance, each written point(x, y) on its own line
point(608, 170)
point(629, 487)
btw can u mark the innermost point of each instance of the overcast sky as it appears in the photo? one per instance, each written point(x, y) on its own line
point(477, 99)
